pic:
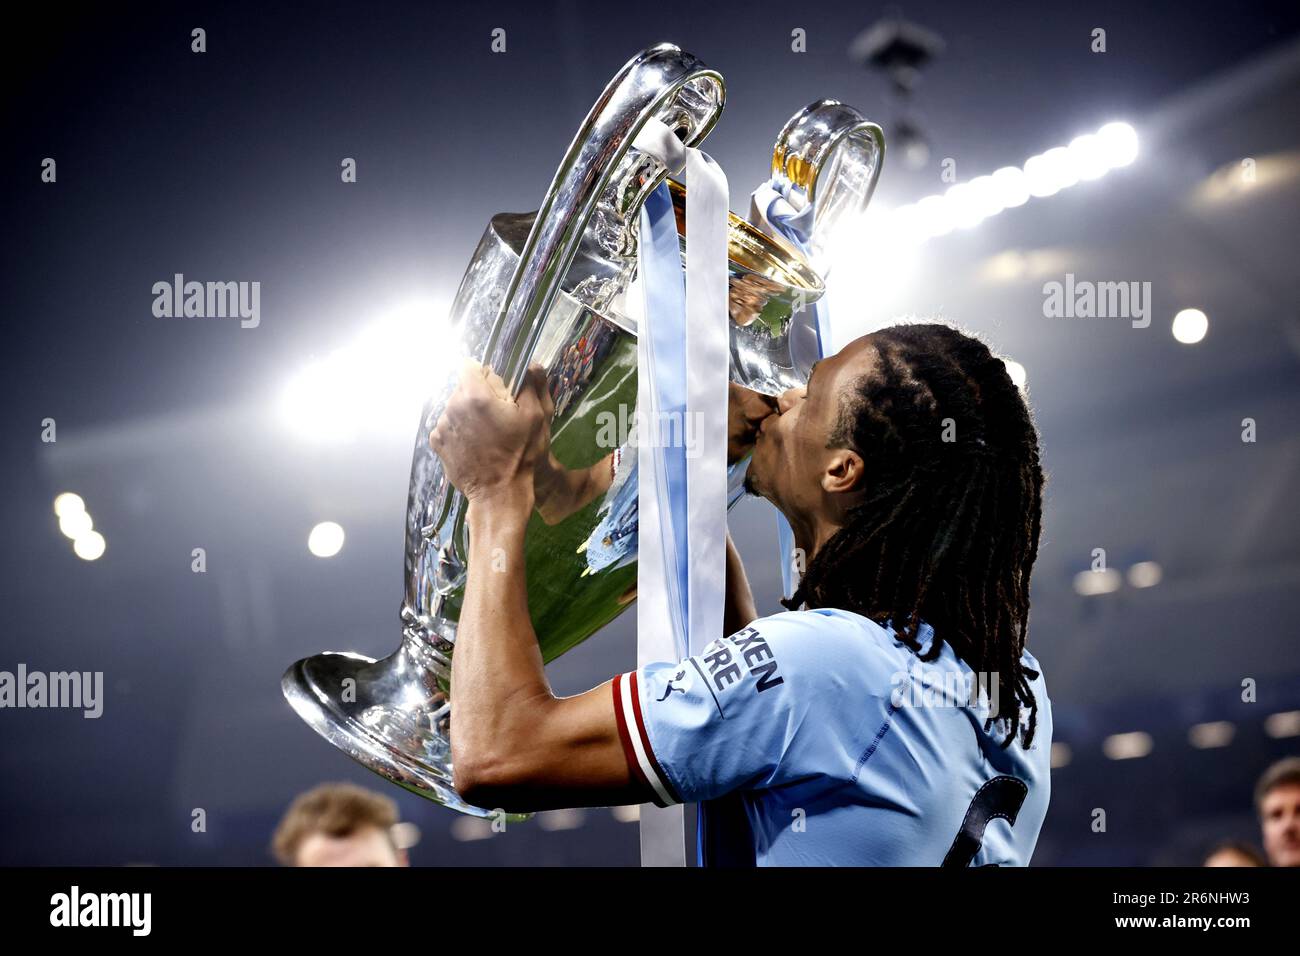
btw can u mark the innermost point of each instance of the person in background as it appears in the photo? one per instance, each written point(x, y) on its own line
point(339, 824)
point(1233, 853)
point(1277, 800)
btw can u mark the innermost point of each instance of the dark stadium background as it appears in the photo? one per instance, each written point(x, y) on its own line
point(225, 166)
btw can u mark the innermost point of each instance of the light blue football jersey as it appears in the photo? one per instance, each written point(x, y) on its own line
point(818, 738)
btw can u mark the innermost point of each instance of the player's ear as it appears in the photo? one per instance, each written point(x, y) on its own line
point(844, 471)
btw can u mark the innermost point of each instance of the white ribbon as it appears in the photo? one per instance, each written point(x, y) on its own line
point(683, 359)
point(693, 555)
point(708, 365)
point(777, 214)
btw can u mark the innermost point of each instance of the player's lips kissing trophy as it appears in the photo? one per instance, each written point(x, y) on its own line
point(568, 287)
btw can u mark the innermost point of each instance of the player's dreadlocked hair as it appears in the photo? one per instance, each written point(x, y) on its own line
point(949, 530)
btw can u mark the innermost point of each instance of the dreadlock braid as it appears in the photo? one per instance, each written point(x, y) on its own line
point(949, 530)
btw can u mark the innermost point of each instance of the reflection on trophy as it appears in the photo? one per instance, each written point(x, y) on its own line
point(552, 287)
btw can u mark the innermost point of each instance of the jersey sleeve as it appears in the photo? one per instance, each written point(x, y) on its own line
point(725, 719)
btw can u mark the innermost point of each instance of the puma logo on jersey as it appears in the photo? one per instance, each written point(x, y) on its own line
point(678, 683)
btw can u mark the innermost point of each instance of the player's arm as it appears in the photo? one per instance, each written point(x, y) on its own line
point(738, 609)
point(515, 745)
point(746, 410)
point(665, 733)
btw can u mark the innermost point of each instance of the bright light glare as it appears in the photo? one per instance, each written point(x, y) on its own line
point(1010, 186)
point(1039, 178)
point(1216, 733)
point(1145, 574)
point(469, 829)
point(378, 382)
point(1060, 167)
point(986, 198)
point(1284, 724)
point(933, 217)
point(874, 261)
point(74, 524)
point(1061, 755)
point(965, 206)
point(404, 834)
point(888, 243)
point(556, 820)
point(1017, 372)
point(89, 546)
point(326, 539)
point(1119, 144)
point(1092, 583)
point(1190, 326)
point(1088, 157)
point(68, 503)
point(1127, 746)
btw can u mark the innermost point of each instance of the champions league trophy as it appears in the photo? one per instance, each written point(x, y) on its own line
point(552, 287)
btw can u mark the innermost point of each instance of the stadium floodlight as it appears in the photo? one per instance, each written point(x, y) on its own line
point(1212, 734)
point(1190, 326)
point(1127, 746)
point(1119, 144)
point(326, 539)
point(1011, 187)
point(1102, 581)
point(68, 503)
point(90, 546)
point(1088, 157)
point(74, 524)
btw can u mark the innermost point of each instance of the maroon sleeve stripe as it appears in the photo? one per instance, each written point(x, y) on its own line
point(645, 741)
point(629, 753)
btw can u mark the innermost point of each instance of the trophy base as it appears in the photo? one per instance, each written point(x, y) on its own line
point(387, 715)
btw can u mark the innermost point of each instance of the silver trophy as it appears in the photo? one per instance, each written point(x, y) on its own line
point(551, 287)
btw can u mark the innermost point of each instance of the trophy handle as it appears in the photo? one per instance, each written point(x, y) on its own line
point(829, 156)
point(598, 156)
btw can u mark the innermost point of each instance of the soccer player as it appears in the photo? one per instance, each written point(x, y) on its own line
point(891, 717)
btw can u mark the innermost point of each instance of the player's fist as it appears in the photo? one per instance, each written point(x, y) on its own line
point(487, 439)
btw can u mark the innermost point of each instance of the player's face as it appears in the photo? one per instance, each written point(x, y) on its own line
point(790, 453)
point(368, 846)
point(1280, 819)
